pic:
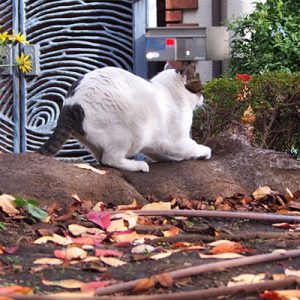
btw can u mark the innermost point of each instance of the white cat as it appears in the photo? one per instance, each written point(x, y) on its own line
point(117, 115)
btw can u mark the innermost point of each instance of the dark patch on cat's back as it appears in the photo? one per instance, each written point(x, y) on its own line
point(73, 87)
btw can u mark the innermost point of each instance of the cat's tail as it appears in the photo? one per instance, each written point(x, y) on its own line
point(69, 122)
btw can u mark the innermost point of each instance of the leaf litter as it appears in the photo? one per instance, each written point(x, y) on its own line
point(99, 243)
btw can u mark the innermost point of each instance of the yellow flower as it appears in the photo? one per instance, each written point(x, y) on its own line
point(4, 37)
point(24, 63)
point(19, 38)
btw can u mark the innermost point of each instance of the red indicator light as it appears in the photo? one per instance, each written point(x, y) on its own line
point(170, 42)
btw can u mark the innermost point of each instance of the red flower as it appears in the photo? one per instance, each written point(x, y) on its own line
point(243, 77)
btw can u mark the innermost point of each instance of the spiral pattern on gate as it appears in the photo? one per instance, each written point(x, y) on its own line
point(75, 36)
point(6, 88)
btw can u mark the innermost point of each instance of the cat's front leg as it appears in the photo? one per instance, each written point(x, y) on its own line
point(189, 149)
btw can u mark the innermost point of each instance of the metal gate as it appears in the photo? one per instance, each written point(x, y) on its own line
point(72, 37)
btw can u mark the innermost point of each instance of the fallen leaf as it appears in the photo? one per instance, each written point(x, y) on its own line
point(243, 77)
point(157, 206)
point(261, 192)
point(7, 204)
point(143, 249)
point(129, 217)
point(282, 225)
point(161, 255)
point(100, 218)
point(78, 295)
point(55, 238)
point(75, 253)
point(143, 285)
point(247, 279)
point(66, 283)
point(89, 167)
point(172, 231)
point(77, 230)
point(108, 252)
point(112, 261)
point(48, 261)
point(281, 295)
point(16, 289)
point(164, 279)
point(131, 237)
point(221, 255)
point(289, 272)
point(94, 285)
point(226, 247)
point(116, 225)
point(133, 205)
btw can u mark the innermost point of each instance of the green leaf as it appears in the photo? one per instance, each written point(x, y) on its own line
point(36, 212)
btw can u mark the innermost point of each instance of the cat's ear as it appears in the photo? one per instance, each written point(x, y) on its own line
point(188, 70)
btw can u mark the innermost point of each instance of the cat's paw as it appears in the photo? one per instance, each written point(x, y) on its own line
point(144, 167)
point(204, 152)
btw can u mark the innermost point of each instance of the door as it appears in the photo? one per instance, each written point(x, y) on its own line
point(68, 38)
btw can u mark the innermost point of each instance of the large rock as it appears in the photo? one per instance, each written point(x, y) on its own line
point(236, 167)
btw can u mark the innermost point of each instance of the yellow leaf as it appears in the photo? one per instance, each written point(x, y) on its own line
point(161, 255)
point(66, 283)
point(157, 206)
point(116, 225)
point(112, 261)
point(248, 116)
point(48, 261)
point(261, 192)
point(247, 279)
point(7, 204)
point(57, 239)
point(77, 230)
point(88, 167)
point(75, 253)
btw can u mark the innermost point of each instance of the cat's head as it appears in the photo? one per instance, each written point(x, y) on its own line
point(192, 81)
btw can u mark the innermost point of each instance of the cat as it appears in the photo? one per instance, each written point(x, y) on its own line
point(117, 115)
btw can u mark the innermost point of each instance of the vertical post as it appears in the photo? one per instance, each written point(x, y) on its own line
point(216, 21)
point(16, 82)
point(23, 104)
point(139, 30)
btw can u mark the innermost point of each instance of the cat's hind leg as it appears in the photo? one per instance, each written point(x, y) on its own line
point(121, 162)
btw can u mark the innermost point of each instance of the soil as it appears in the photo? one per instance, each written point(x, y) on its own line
point(236, 167)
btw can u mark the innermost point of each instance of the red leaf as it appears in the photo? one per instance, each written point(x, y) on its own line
point(243, 77)
point(270, 295)
point(101, 218)
point(94, 285)
point(108, 252)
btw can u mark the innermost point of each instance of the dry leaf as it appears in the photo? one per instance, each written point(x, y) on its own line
point(55, 238)
point(7, 205)
point(112, 261)
point(226, 247)
point(131, 237)
point(246, 279)
point(16, 289)
point(157, 206)
point(143, 285)
point(282, 295)
point(164, 279)
point(75, 253)
point(48, 261)
point(129, 217)
point(101, 218)
point(94, 285)
point(289, 272)
point(77, 230)
point(161, 255)
point(143, 249)
point(88, 167)
point(133, 205)
point(116, 225)
point(171, 232)
point(66, 283)
point(221, 255)
point(108, 252)
point(249, 116)
point(261, 192)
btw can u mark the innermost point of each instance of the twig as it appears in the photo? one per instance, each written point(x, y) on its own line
point(214, 266)
point(233, 237)
point(207, 293)
point(219, 214)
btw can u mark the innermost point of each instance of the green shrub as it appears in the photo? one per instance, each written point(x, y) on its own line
point(272, 101)
point(267, 40)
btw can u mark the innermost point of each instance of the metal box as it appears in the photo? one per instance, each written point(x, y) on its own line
point(187, 43)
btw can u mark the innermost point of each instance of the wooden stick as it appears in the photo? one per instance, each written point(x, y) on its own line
point(214, 266)
point(219, 214)
point(190, 295)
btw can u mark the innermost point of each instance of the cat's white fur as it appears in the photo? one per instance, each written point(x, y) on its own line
point(126, 115)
